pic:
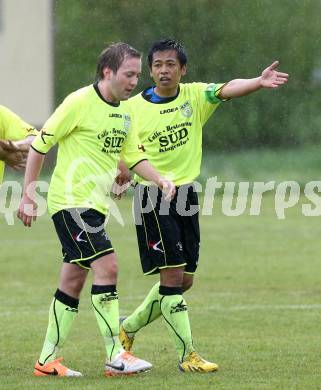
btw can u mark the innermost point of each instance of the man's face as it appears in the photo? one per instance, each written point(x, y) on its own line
point(122, 83)
point(166, 69)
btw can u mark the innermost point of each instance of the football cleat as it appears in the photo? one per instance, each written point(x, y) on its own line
point(125, 340)
point(194, 363)
point(124, 363)
point(54, 368)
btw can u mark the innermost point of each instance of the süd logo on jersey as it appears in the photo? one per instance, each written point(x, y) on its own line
point(173, 138)
point(113, 140)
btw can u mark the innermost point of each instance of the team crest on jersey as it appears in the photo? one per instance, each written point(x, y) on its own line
point(186, 109)
point(127, 122)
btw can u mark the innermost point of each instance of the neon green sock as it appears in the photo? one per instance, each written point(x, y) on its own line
point(145, 313)
point(105, 303)
point(174, 311)
point(62, 313)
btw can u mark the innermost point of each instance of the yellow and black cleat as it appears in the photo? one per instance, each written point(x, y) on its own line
point(193, 362)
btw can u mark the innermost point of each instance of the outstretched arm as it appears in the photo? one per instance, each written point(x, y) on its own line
point(270, 78)
point(27, 209)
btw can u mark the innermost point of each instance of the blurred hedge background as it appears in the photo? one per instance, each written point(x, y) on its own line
point(225, 39)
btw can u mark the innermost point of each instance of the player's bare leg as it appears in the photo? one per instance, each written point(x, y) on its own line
point(188, 281)
point(72, 279)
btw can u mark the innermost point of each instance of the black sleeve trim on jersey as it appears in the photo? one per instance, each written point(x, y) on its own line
point(144, 159)
point(164, 100)
point(37, 150)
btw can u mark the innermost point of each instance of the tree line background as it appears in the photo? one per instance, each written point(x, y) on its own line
point(224, 39)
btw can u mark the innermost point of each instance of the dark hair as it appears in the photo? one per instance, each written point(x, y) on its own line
point(113, 56)
point(168, 44)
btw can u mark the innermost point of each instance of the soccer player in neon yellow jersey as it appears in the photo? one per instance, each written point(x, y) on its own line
point(170, 117)
point(15, 138)
point(93, 130)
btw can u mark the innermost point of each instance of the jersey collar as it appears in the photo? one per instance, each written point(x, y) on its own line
point(95, 85)
point(163, 100)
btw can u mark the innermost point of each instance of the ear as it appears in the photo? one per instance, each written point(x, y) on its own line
point(107, 72)
point(184, 70)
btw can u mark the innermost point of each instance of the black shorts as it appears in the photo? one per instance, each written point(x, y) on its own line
point(168, 233)
point(82, 235)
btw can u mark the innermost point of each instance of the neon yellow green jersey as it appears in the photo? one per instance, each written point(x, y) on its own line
point(12, 128)
point(171, 130)
point(92, 135)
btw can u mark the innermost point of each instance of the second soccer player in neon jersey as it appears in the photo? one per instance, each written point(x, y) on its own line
point(93, 130)
point(170, 117)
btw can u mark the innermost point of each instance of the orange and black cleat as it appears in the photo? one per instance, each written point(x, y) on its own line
point(54, 368)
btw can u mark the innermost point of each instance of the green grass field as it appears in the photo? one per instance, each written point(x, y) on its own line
point(300, 164)
point(255, 308)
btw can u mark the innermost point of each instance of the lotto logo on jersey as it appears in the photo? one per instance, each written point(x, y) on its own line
point(186, 109)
